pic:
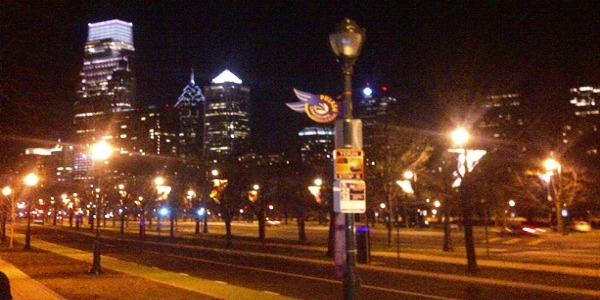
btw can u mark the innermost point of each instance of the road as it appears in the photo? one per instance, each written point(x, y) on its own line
point(302, 271)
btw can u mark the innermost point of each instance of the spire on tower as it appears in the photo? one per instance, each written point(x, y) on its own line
point(192, 81)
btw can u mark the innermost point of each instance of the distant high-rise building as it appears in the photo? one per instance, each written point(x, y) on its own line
point(226, 117)
point(107, 80)
point(584, 129)
point(503, 116)
point(316, 145)
point(373, 106)
point(190, 107)
point(586, 101)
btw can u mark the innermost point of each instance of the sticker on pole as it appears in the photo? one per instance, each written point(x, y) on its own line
point(350, 196)
point(349, 164)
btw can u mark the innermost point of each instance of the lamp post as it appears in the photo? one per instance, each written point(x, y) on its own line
point(553, 168)
point(7, 191)
point(214, 173)
point(124, 195)
point(30, 180)
point(254, 197)
point(346, 43)
point(101, 152)
point(162, 190)
point(460, 137)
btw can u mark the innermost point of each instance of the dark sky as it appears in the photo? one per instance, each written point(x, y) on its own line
point(418, 49)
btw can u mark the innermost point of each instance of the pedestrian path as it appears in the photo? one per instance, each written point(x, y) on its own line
point(24, 287)
point(29, 289)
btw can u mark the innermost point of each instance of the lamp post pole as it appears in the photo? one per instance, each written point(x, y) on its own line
point(7, 191)
point(30, 180)
point(346, 43)
point(100, 153)
point(553, 168)
point(460, 137)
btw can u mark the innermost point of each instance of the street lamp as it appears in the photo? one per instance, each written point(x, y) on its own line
point(256, 199)
point(7, 191)
point(346, 43)
point(162, 191)
point(30, 180)
point(124, 195)
point(460, 137)
point(101, 152)
point(553, 167)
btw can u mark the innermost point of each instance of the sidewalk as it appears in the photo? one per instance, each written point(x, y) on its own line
point(24, 287)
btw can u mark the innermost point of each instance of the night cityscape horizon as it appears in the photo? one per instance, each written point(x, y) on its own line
point(299, 150)
point(405, 44)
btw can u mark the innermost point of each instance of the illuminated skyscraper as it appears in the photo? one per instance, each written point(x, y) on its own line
point(190, 107)
point(584, 129)
point(107, 85)
point(226, 117)
point(316, 145)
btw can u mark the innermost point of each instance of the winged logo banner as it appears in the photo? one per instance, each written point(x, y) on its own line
point(319, 108)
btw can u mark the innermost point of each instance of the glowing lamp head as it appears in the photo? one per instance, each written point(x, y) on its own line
point(367, 91)
point(159, 181)
point(460, 136)
point(551, 164)
point(101, 151)
point(31, 179)
point(163, 211)
point(6, 191)
point(408, 175)
point(214, 172)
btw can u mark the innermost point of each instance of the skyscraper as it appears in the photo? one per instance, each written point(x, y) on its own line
point(226, 117)
point(190, 107)
point(107, 85)
point(316, 145)
point(584, 129)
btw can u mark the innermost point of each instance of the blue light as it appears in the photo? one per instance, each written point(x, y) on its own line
point(163, 211)
point(201, 212)
point(367, 91)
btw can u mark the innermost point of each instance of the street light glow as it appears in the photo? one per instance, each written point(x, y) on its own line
point(101, 151)
point(460, 136)
point(408, 175)
point(31, 179)
point(551, 164)
point(6, 191)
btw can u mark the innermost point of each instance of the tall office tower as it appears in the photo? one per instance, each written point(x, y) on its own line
point(190, 106)
point(316, 145)
point(585, 128)
point(226, 117)
point(503, 117)
point(107, 81)
point(374, 105)
point(154, 131)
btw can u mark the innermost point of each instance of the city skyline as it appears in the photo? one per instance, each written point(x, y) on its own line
point(412, 48)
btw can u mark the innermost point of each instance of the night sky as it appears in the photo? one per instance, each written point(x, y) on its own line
point(420, 50)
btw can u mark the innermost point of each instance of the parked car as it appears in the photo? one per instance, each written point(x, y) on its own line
point(581, 226)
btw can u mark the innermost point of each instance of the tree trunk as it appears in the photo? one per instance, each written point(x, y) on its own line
point(301, 226)
point(261, 223)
